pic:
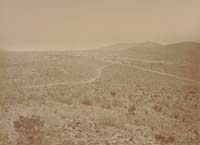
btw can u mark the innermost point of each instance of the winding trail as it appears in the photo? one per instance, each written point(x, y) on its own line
point(111, 62)
point(91, 80)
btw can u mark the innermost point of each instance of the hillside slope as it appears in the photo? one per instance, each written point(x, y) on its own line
point(180, 52)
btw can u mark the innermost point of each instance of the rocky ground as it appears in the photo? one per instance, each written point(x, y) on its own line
point(61, 99)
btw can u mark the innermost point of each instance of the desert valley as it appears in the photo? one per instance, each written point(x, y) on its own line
point(124, 94)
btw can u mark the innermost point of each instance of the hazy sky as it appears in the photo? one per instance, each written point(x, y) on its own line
point(80, 24)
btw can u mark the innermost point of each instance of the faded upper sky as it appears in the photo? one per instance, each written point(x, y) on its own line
point(82, 24)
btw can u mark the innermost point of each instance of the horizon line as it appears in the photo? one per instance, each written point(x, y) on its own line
point(96, 48)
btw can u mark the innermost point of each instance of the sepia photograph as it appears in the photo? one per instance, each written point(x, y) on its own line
point(99, 72)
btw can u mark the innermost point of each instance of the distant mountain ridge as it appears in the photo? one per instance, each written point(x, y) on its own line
point(182, 51)
point(185, 43)
point(121, 46)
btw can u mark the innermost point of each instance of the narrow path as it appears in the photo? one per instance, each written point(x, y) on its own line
point(99, 74)
point(156, 61)
point(145, 60)
point(156, 72)
point(91, 80)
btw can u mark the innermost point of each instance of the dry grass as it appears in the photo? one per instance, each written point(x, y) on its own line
point(164, 140)
point(86, 100)
point(113, 93)
point(125, 106)
point(109, 121)
point(4, 140)
point(132, 109)
point(29, 130)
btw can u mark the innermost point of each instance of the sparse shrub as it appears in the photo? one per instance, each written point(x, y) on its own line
point(196, 133)
point(130, 97)
point(163, 139)
point(4, 139)
point(113, 93)
point(67, 142)
point(2, 102)
point(106, 105)
point(155, 96)
point(195, 106)
point(29, 130)
point(66, 100)
point(108, 121)
point(86, 101)
point(157, 108)
point(75, 95)
point(192, 92)
point(107, 143)
point(132, 109)
point(171, 139)
point(159, 138)
point(176, 116)
point(97, 99)
point(116, 103)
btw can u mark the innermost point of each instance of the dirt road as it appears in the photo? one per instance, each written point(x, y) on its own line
point(93, 79)
point(156, 72)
